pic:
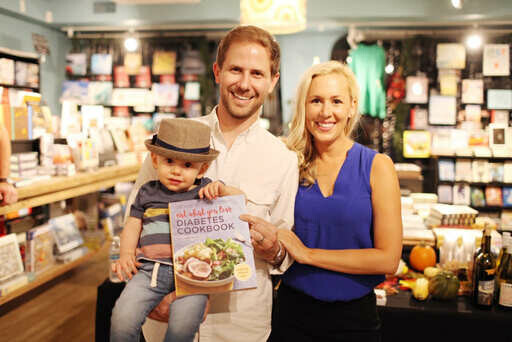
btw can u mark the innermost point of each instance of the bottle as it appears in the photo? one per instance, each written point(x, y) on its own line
point(484, 274)
point(504, 275)
point(114, 253)
point(505, 242)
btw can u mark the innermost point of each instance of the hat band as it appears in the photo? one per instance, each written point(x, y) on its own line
point(200, 150)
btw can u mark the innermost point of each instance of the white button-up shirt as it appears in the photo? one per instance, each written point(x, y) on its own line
point(261, 166)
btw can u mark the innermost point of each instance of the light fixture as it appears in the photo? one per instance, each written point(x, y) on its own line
point(389, 68)
point(474, 41)
point(275, 16)
point(131, 44)
point(457, 3)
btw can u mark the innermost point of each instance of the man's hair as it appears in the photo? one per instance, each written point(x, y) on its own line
point(251, 34)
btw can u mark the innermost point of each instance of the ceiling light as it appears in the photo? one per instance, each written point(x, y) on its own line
point(275, 16)
point(457, 3)
point(474, 41)
point(131, 44)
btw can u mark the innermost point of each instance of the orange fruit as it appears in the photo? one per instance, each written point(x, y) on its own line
point(422, 256)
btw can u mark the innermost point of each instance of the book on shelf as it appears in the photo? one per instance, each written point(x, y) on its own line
point(493, 196)
point(446, 170)
point(76, 64)
point(212, 248)
point(101, 64)
point(481, 171)
point(497, 170)
point(65, 232)
point(39, 255)
point(164, 62)
point(445, 193)
point(507, 196)
point(477, 197)
point(143, 77)
point(11, 264)
point(507, 172)
point(121, 78)
point(463, 171)
point(461, 194)
point(132, 62)
point(506, 219)
point(10, 285)
point(6, 71)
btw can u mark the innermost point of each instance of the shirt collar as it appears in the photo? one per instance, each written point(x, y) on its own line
point(250, 134)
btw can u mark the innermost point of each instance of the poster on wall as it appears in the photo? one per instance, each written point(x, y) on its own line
point(442, 110)
point(451, 56)
point(472, 91)
point(496, 61)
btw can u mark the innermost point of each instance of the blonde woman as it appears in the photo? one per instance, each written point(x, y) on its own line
point(348, 230)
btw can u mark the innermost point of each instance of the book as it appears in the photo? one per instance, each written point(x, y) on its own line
point(481, 171)
point(497, 170)
point(6, 71)
point(121, 79)
point(164, 62)
point(445, 193)
point(446, 170)
point(493, 196)
point(76, 64)
point(165, 94)
point(101, 64)
point(11, 264)
point(418, 118)
point(507, 172)
point(13, 284)
point(39, 255)
point(507, 196)
point(463, 170)
point(132, 62)
point(416, 144)
point(416, 89)
point(65, 232)
point(506, 220)
point(20, 123)
point(99, 93)
point(477, 197)
point(461, 194)
point(212, 249)
point(143, 77)
point(496, 60)
point(472, 91)
point(20, 73)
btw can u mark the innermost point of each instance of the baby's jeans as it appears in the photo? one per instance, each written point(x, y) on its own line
point(139, 298)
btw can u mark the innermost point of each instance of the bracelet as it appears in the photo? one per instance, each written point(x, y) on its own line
point(279, 256)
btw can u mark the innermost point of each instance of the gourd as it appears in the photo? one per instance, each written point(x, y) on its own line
point(444, 286)
point(422, 256)
point(420, 290)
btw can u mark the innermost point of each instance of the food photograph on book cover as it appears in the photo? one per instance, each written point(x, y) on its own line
point(212, 247)
point(10, 255)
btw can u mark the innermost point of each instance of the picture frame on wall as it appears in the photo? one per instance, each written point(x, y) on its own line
point(442, 110)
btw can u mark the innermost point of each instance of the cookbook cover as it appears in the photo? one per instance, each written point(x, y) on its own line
point(212, 249)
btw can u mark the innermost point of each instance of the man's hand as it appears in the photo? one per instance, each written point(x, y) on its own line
point(8, 194)
point(263, 237)
point(161, 311)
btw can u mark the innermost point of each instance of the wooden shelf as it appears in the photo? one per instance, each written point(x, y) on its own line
point(61, 188)
point(46, 276)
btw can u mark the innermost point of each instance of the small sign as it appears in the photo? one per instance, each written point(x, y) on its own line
point(40, 44)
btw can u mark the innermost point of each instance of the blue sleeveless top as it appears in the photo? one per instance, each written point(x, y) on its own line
point(343, 220)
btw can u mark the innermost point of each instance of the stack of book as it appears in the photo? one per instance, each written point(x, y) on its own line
point(24, 165)
point(451, 215)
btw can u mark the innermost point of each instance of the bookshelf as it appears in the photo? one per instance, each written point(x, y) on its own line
point(25, 58)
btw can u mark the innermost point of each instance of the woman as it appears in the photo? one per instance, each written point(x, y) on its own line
point(348, 230)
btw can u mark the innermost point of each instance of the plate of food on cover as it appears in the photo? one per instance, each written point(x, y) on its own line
point(208, 264)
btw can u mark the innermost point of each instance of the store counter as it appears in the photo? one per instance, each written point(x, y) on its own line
point(405, 318)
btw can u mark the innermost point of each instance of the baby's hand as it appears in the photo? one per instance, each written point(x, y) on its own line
point(212, 190)
point(126, 266)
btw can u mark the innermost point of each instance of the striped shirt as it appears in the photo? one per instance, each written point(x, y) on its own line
point(152, 206)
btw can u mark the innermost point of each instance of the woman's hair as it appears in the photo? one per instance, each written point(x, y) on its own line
point(299, 139)
point(251, 34)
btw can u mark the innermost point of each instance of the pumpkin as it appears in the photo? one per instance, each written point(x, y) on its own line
point(444, 286)
point(421, 257)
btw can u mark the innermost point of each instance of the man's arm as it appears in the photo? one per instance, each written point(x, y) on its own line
point(8, 193)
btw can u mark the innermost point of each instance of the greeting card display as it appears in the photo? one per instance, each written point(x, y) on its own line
point(496, 60)
point(442, 110)
point(418, 118)
point(507, 196)
point(416, 89)
point(211, 246)
point(446, 170)
point(451, 56)
point(499, 99)
point(477, 197)
point(416, 144)
point(461, 194)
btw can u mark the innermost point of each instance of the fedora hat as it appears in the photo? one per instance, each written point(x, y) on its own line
point(182, 139)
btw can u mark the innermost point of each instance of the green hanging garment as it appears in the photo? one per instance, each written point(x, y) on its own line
point(368, 65)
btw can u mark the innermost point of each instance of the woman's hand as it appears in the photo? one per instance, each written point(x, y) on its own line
point(263, 237)
point(126, 266)
point(294, 246)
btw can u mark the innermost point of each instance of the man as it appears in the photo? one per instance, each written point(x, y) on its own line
point(253, 160)
point(8, 193)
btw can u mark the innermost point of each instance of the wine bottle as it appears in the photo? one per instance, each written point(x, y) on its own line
point(504, 275)
point(484, 274)
point(505, 237)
